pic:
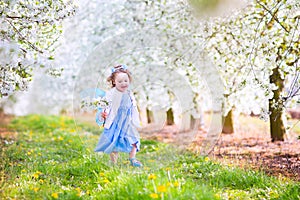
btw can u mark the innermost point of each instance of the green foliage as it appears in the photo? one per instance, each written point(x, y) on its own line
point(47, 124)
point(47, 161)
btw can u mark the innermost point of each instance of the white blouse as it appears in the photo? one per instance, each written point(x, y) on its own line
point(114, 97)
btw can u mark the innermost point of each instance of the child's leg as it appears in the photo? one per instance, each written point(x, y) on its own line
point(134, 162)
point(114, 157)
point(133, 151)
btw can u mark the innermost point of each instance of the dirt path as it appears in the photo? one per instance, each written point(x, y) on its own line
point(279, 158)
point(254, 150)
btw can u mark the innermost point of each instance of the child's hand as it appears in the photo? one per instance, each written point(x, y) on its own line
point(104, 115)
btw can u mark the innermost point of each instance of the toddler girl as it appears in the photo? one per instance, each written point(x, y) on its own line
point(121, 118)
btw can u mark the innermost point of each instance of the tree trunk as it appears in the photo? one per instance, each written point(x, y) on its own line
point(195, 123)
point(228, 123)
point(170, 117)
point(150, 116)
point(185, 123)
point(277, 126)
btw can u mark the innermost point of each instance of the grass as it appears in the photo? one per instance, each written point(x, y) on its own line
point(52, 158)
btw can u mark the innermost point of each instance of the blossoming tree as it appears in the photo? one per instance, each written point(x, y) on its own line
point(259, 49)
point(29, 33)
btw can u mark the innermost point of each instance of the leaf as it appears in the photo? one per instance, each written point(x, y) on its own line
point(51, 57)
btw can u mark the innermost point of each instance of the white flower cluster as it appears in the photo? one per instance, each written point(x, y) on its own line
point(11, 81)
point(55, 72)
point(29, 33)
point(12, 75)
point(94, 103)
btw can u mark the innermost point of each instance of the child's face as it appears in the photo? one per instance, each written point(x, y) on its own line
point(122, 82)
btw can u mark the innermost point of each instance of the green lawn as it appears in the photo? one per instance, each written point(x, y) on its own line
point(52, 158)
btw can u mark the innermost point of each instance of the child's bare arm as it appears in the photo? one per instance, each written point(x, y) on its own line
point(104, 115)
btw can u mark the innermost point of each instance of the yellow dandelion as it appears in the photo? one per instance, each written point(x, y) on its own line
point(78, 190)
point(60, 138)
point(37, 174)
point(168, 169)
point(161, 188)
point(35, 189)
point(101, 174)
point(41, 181)
point(169, 184)
point(154, 196)
point(151, 177)
point(29, 153)
point(176, 184)
point(106, 181)
point(206, 159)
point(54, 195)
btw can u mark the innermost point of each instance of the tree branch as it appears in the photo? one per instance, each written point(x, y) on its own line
point(291, 42)
point(273, 15)
point(23, 38)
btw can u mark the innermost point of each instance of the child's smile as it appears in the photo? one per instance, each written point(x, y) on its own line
point(122, 82)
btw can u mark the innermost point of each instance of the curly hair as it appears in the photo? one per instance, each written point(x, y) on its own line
point(116, 70)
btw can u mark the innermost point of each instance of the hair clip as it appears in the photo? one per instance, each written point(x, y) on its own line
point(124, 67)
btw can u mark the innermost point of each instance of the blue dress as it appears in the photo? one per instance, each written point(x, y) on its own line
point(122, 133)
